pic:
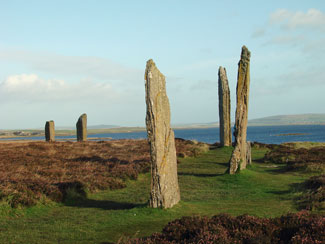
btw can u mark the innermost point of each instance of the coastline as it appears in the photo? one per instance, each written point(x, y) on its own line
point(29, 133)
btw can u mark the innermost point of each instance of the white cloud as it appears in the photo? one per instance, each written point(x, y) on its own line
point(81, 66)
point(62, 87)
point(285, 26)
point(302, 30)
point(32, 88)
point(30, 82)
point(313, 18)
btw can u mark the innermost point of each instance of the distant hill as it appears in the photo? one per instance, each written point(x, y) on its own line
point(297, 119)
point(94, 127)
point(195, 125)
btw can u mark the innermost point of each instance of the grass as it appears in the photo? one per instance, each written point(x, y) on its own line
point(262, 190)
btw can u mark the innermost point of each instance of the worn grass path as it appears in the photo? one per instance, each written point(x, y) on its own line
point(109, 216)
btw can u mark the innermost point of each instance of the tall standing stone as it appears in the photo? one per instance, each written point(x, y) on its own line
point(224, 108)
point(49, 131)
point(82, 128)
point(239, 156)
point(164, 181)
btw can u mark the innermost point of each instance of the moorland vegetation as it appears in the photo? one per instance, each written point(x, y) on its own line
point(38, 171)
point(97, 192)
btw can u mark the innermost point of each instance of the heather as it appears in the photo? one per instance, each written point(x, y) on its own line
point(301, 227)
point(313, 197)
point(36, 171)
point(89, 214)
point(304, 159)
point(308, 158)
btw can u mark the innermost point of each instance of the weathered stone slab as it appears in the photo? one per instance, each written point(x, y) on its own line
point(224, 108)
point(49, 131)
point(249, 153)
point(82, 128)
point(164, 181)
point(238, 158)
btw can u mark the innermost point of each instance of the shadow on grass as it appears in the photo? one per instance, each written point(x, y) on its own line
point(200, 175)
point(280, 192)
point(280, 169)
point(101, 204)
point(285, 194)
point(258, 160)
point(226, 164)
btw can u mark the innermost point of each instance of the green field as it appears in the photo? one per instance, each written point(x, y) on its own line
point(109, 216)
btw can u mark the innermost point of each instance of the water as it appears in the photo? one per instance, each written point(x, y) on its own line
point(264, 134)
point(271, 134)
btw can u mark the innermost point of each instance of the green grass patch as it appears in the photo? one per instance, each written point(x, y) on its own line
point(262, 190)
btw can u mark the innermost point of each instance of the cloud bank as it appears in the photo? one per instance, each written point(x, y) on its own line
point(80, 66)
point(32, 88)
point(313, 18)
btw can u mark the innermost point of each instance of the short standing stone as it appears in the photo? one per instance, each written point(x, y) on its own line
point(49, 131)
point(164, 181)
point(238, 158)
point(224, 108)
point(82, 128)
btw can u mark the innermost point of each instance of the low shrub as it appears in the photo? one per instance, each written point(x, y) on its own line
point(301, 227)
point(303, 159)
point(30, 171)
point(313, 197)
point(187, 148)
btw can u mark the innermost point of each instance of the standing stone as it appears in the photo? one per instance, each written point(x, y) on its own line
point(164, 182)
point(49, 131)
point(224, 108)
point(238, 158)
point(82, 128)
point(249, 153)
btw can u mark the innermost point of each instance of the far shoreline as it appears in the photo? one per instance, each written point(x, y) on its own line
point(39, 135)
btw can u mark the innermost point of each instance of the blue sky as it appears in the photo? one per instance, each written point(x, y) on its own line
point(60, 59)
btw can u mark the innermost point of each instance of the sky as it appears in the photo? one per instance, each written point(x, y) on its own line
point(59, 59)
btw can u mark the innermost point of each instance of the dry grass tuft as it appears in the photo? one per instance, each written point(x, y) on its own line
point(186, 148)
